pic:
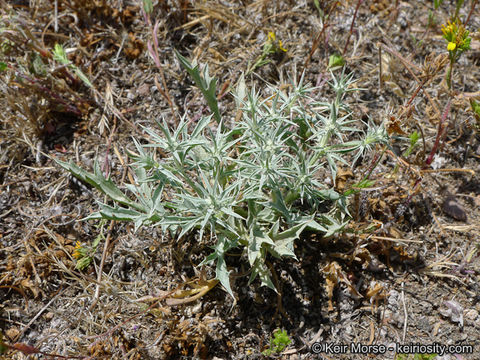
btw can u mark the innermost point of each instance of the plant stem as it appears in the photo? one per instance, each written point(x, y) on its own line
point(439, 134)
point(449, 75)
point(471, 12)
point(351, 27)
point(457, 9)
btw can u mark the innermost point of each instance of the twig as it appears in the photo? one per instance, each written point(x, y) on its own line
point(395, 240)
point(470, 171)
point(471, 12)
point(405, 314)
point(155, 55)
point(439, 134)
point(102, 262)
point(55, 16)
point(351, 26)
point(380, 75)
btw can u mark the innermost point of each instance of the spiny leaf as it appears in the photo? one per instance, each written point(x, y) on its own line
point(205, 83)
point(97, 180)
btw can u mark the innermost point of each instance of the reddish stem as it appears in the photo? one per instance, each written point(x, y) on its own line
point(68, 107)
point(351, 26)
point(439, 134)
point(471, 12)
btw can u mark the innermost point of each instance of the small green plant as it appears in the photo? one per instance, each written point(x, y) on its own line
point(414, 137)
point(432, 20)
point(271, 47)
point(252, 187)
point(60, 56)
point(458, 41)
point(278, 343)
point(416, 357)
point(84, 253)
point(335, 61)
point(475, 106)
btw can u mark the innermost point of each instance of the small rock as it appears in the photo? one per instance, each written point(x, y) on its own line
point(452, 208)
point(143, 90)
point(453, 310)
point(424, 324)
point(471, 314)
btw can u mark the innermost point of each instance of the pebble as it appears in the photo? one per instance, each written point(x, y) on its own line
point(452, 208)
point(471, 315)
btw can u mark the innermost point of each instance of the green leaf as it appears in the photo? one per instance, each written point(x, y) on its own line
point(283, 241)
point(97, 180)
point(256, 240)
point(414, 138)
point(118, 213)
point(148, 6)
point(335, 61)
point(204, 82)
point(218, 256)
point(315, 226)
point(332, 225)
point(261, 270)
point(363, 184)
point(83, 263)
point(328, 194)
point(281, 340)
point(60, 55)
point(279, 205)
point(3, 66)
point(317, 5)
point(475, 107)
point(240, 92)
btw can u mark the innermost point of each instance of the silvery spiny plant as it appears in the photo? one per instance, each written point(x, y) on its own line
point(255, 185)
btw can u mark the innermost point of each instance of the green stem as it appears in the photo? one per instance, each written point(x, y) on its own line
point(457, 10)
point(449, 75)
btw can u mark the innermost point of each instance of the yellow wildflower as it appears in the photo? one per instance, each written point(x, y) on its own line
point(451, 46)
point(77, 254)
point(449, 29)
point(272, 39)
